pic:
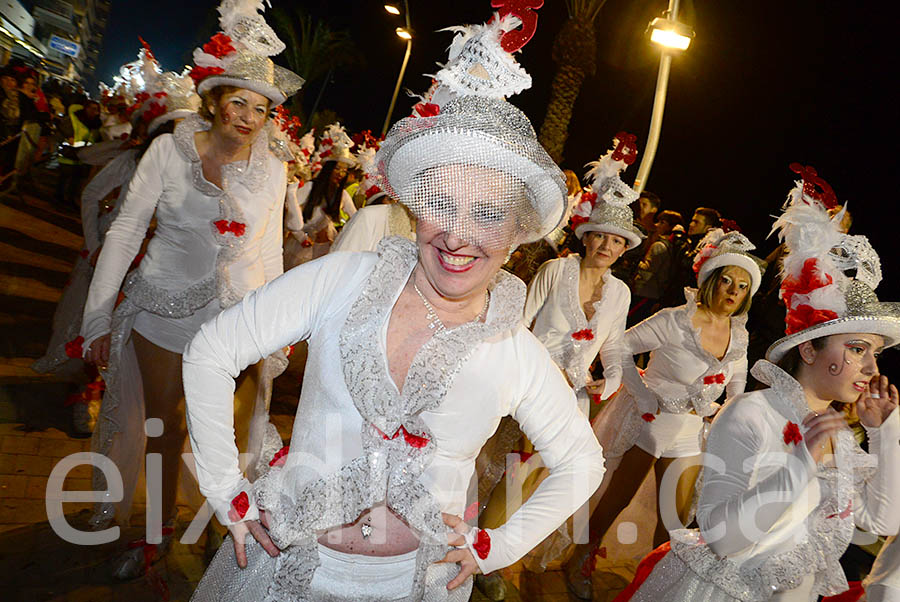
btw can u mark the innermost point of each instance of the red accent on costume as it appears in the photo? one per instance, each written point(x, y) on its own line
point(577, 220)
point(585, 334)
point(714, 379)
point(280, 456)
point(482, 544)
point(524, 9)
point(149, 53)
point(851, 595)
point(729, 225)
point(811, 180)
point(371, 191)
point(236, 228)
point(804, 316)
point(153, 111)
point(74, 347)
point(427, 109)
point(648, 417)
point(198, 74)
point(845, 512)
point(219, 45)
point(241, 503)
point(792, 433)
point(411, 440)
point(626, 148)
point(703, 257)
point(643, 571)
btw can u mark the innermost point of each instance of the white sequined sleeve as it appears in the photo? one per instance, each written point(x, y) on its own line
point(124, 238)
point(875, 509)
point(278, 314)
point(548, 414)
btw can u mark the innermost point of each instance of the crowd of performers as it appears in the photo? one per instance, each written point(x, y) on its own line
point(217, 238)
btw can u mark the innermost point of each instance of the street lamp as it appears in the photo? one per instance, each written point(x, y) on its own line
point(404, 33)
point(674, 37)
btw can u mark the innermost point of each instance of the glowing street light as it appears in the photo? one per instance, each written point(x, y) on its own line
point(671, 34)
point(674, 37)
point(404, 33)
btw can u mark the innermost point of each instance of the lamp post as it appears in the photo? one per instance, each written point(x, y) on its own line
point(673, 37)
point(404, 33)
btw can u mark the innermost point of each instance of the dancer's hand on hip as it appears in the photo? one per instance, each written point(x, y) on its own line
point(256, 528)
point(461, 555)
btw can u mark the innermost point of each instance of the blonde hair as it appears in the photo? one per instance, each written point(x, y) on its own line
point(708, 290)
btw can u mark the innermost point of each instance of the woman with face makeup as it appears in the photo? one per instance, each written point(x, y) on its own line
point(697, 352)
point(416, 353)
point(785, 482)
point(153, 116)
point(217, 195)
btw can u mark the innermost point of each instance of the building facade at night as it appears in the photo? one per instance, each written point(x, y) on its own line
point(61, 38)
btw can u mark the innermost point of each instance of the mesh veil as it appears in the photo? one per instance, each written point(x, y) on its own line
point(475, 170)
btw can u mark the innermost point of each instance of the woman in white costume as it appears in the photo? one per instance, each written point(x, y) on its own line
point(153, 114)
point(321, 205)
point(697, 352)
point(217, 194)
point(415, 354)
point(785, 482)
point(578, 307)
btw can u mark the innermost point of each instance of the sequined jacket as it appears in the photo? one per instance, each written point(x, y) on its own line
point(769, 515)
point(681, 375)
point(560, 324)
point(357, 440)
point(210, 244)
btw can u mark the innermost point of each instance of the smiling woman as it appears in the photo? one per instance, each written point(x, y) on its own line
point(416, 353)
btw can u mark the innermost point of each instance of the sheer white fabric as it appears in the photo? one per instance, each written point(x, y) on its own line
point(509, 373)
point(553, 304)
point(115, 174)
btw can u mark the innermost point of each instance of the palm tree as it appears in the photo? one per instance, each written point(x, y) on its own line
point(313, 50)
point(575, 53)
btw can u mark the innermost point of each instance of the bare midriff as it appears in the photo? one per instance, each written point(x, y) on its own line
point(378, 531)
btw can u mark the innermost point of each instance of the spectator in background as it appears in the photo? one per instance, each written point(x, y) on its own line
point(653, 273)
point(35, 115)
point(644, 210)
point(80, 128)
point(682, 270)
point(10, 123)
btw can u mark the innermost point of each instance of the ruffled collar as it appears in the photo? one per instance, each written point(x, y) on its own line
point(737, 345)
point(436, 363)
point(573, 274)
point(251, 173)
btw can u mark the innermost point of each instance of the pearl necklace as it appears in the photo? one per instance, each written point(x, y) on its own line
point(434, 320)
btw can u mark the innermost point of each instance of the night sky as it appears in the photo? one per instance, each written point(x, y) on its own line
point(763, 84)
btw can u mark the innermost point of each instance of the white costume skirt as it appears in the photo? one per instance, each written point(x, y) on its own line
point(672, 436)
point(673, 581)
point(340, 577)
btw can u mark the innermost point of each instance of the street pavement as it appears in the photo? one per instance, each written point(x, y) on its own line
point(39, 243)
